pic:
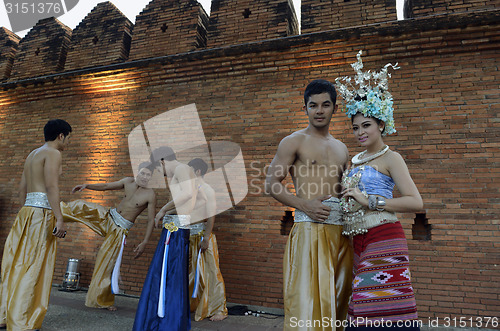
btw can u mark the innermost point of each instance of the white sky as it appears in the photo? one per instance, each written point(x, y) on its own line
point(130, 8)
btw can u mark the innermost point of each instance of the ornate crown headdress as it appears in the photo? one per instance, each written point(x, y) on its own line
point(372, 97)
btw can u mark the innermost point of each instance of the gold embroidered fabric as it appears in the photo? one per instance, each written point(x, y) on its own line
point(317, 274)
point(177, 222)
point(98, 219)
point(27, 269)
point(171, 227)
point(37, 199)
point(211, 298)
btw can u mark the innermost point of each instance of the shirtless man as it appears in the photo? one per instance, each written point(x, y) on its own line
point(181, 182)
point(168, 277)
point(113, 224)
point(317, 264)
point(30, 249)
point(210, 300)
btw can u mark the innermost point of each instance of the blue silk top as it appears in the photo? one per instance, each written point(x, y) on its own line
point(374, 182)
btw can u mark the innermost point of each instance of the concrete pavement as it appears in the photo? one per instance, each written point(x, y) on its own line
point(67, 312)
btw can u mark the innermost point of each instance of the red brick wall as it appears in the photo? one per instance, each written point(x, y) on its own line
point(103, 37)
point(239, 21)
point(446, 96)
point(321, 15)
point(43, 50)
point(8, 48)
point(422, 8)
point(167, 27)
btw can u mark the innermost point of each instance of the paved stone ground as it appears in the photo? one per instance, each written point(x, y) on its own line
point(67, 312)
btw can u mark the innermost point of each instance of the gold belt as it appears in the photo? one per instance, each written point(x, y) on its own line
point(171, 227)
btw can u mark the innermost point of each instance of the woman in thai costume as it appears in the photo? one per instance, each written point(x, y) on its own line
point(382, 294)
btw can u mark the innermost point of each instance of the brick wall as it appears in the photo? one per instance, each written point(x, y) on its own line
point(321, 15)
point(103, 37)
point(167, 27)
point(239, 21)
point(446, 97)
point(43, 50)
point(8, 48)
point(420, 8)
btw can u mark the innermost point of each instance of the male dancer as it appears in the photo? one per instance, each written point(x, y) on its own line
point(317, 265)
point(164, 302)
point(113, 224)
point(30, 249)
point(210, 300)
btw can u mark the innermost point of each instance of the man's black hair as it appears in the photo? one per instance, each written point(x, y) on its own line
point(148, 165)
point(54, 128)
point(319, 86)
point(199, 164)
point(163, 153)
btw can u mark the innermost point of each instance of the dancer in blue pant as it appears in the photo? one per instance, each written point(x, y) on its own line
point(174, 284)
point(164, 302)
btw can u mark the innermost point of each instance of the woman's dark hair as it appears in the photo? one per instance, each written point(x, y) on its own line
point(54, 128)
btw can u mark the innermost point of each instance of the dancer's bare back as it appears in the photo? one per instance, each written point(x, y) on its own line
point(42, 169)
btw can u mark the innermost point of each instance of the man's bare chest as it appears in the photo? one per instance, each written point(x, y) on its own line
point(323, 160)
point(135, 197)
